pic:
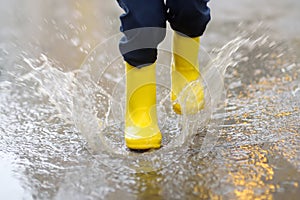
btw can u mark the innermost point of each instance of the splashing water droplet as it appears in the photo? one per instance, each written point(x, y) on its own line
point(75, 41)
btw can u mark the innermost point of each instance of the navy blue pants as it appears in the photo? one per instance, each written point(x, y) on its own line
point(144, 25)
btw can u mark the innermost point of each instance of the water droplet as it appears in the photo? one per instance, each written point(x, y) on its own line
point(75, 41)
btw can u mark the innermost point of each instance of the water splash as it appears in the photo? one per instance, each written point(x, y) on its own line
point(92, 98)
point(96, 111)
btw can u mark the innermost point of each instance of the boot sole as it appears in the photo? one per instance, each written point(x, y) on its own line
point(153, 142)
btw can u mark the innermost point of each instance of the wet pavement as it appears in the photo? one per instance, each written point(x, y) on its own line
point(45, 153)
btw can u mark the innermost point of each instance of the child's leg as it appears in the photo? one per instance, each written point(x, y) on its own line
point(143, 25)
point(188, 17)
point(189, 20)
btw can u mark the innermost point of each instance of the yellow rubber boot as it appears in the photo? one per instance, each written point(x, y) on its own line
point(184, 72)
point(141, 127)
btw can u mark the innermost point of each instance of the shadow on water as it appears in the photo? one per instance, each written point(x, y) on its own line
point(51, 120)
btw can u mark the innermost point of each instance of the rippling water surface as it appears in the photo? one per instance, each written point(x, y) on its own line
point(62, 103)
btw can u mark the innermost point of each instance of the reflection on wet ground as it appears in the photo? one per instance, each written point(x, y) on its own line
point(45, 157)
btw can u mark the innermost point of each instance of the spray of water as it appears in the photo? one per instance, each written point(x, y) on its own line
point(92, 98)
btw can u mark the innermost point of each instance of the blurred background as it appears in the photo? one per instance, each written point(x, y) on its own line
point(67, 30)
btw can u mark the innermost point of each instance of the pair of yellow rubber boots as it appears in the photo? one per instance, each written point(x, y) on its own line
point(141, 125)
